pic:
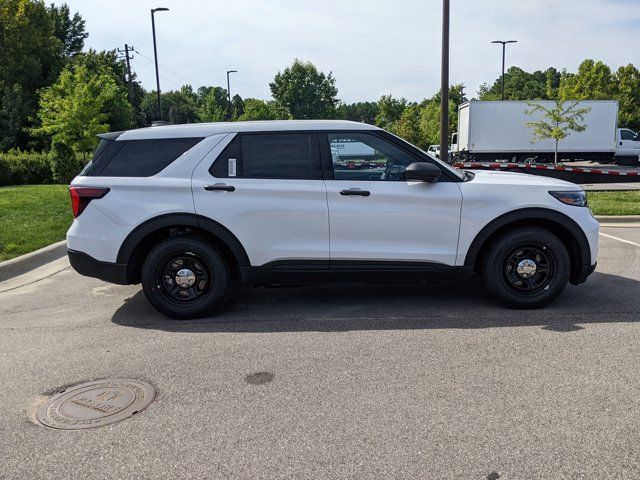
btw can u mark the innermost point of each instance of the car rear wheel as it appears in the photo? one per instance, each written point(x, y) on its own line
point(185, 277)
point(527, 267)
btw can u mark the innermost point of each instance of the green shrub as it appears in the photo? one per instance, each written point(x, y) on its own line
point(25, 168)
point(64, 163)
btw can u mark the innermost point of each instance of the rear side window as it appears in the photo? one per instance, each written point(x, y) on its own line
point(277, 156)
point(137, 158)
point(227, 163)
point(269, 156)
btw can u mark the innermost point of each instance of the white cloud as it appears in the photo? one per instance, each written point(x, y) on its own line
point(372, 46)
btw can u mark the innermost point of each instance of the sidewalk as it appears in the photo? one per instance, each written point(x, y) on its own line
point(611, 187)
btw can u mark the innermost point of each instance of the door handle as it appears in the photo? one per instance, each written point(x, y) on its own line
point(356, 191)
point(220, 187)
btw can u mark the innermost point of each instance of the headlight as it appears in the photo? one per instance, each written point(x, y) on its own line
point(577, 199)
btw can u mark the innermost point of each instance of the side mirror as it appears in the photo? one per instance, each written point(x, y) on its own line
point(422, 172)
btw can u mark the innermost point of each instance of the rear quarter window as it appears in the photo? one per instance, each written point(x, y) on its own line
point(137, 158)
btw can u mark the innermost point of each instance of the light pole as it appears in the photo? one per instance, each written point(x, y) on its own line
point(155, 54)
point(444, 84)
point(504, 47)
point(229, 94)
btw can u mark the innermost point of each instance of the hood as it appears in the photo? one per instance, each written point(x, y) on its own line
point(498, 177)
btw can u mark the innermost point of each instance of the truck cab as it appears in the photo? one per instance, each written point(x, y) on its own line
point(628, 142)
point(627, 147)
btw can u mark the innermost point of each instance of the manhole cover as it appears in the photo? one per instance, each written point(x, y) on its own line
point(94, 404)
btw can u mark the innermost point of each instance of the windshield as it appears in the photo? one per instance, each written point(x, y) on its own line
point(446, 166)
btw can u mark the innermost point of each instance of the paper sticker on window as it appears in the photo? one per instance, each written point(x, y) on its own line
point(232, 167)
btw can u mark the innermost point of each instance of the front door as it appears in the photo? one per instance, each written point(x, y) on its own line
point(375, 215)
point(628, 143)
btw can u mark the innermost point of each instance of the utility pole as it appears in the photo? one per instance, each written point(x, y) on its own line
point(155, 54)
point(229, 94)
point(504, 47)
point(444, 84)
point(128, 48)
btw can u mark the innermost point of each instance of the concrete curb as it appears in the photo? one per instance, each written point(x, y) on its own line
point(618, 218)
point(24, 263)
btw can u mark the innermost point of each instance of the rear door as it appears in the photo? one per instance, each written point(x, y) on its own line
point(375, 215)
point(266, 188)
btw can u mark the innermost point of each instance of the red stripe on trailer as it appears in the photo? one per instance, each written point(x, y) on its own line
point(559, 168)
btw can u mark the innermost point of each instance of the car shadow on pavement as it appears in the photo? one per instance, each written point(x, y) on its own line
point(345, 307)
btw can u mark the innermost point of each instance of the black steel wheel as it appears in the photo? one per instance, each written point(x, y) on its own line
point(185, 277)
point(526, 267)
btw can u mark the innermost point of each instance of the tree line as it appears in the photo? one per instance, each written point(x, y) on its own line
point(55, 96)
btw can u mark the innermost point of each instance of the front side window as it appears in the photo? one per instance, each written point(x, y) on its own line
point(362, 156)
point(628, 135)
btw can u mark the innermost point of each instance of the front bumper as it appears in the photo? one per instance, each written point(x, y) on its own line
point(90, 267)
point(585, 271)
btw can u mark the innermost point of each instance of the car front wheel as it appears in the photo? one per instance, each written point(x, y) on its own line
point(185, 277)
point(526, 267)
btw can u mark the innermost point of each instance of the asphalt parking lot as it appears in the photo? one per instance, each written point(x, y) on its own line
point(366, 382)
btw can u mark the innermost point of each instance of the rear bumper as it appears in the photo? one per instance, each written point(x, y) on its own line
point(90, 267)
point(585, 271)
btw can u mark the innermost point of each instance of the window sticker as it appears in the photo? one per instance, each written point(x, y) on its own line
point(232, 167)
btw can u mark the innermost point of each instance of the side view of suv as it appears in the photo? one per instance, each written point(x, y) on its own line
point(187, 209)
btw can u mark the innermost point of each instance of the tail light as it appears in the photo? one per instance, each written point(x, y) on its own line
point(81, 196)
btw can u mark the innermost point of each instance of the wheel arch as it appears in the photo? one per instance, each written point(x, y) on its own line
point(138, 243)
point(558, 223)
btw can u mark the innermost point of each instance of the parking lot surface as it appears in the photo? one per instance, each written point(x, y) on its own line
point(357, 381)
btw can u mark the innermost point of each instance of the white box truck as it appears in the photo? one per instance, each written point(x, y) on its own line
point(497, 131)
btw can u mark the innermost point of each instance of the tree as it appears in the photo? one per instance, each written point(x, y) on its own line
point(212, 104)
point(69, 30)
point(107, 62)
point(559, 121)
point(255, 109)
point(521, 85)
point(593, 81)
point(389, 110)
point(76, 108)
point(420, 123)
point(365, 112)
point(408, 125)
point(14, 109)
point(30, 58)
point(628, 94)
point(237, 106)
point(305, 91)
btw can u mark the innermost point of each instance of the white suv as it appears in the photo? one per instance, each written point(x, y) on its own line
point(186, 209)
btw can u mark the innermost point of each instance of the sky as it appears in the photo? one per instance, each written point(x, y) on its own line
point(373, 47)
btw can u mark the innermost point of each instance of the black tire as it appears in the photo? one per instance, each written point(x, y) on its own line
point(534, 285)
point(185, 260)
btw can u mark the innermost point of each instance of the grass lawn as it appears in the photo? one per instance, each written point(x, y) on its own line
point(32, 217)
point(615, 203)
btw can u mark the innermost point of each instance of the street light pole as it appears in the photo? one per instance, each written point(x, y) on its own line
point(444, 84)
point(229, 94)
point(504, 47)
point(155, 54)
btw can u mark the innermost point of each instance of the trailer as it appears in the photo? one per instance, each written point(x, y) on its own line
point(496, 131)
